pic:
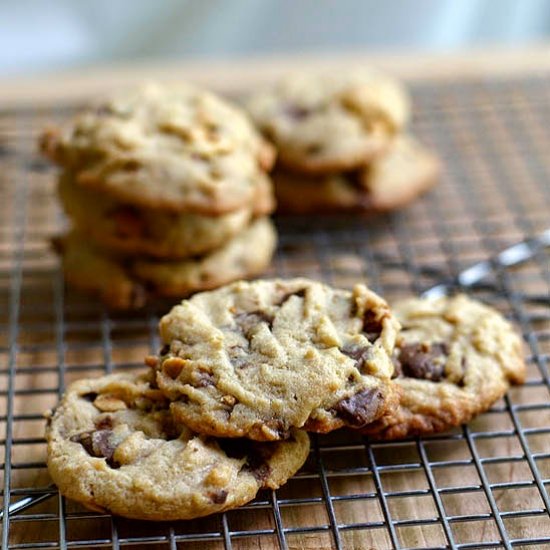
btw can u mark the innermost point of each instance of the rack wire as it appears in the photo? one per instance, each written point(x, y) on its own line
point(483, 485)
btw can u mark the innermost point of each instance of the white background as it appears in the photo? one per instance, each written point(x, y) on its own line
point(44, 35)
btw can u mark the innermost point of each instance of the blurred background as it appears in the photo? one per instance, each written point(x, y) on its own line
point(39, 36)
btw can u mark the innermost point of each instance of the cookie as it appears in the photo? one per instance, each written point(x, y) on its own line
point(126, 229)
point(178, 149)
point(89, 271)
point(330, 122)
point(128, 283)
point(389, 182)
point(454, 358)
point(247, 254)
point(257, 359)
point(114, 446)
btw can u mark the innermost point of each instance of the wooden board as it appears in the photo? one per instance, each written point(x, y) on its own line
point(472, 486)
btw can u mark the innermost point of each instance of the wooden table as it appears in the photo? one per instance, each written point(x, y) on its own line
point(486, 113)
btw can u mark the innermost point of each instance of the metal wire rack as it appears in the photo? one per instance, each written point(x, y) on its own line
point(483, 485)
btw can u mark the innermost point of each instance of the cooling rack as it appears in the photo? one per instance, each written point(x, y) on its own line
point(483, 485)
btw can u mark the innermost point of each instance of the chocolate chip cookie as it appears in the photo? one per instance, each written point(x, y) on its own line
point(388, 182)
point(257, 359)
point(454, 358)
point(179, 149)
point(330, 122)
point(126, 283)
point(114, 446)
point(130, 230)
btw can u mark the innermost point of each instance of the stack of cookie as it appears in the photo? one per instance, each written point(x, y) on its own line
point(247, 369)
point(167, 192)
point(342, 143)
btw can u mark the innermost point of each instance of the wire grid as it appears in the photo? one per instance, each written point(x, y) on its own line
point(479, 486)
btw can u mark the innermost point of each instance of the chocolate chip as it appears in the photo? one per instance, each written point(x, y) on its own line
point(256, 454)
point(85, 439)
point(372, 336)
point(256, 462)
point(170, 428)
point(240, 361)
point(397, 370)
point(97, 443)
point(355, 179)
point(260, 472)
point(218, 497)
point(423, 361)
point(89, 396)
point(239, 357)
point(101, 443)
point(296, 112)
point(360, 354)
point(164, 350)
point(359, 409)
point(248, 321)
point(104, 422)
point(372, 326)
point(203, 379)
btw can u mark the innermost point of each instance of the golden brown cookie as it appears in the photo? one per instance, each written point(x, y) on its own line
point(179, 149)
point(389, 182)
point(128, 283)
point(129, 230)
point(330, 122)
point(114, 446)
point(257, 359)
point(454, 358)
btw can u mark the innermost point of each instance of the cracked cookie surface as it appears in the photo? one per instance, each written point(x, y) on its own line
point(178, 149)
point(454, 358)
point(388, 182)
point(330, 122)
point(113, 445)
point(256, 359)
